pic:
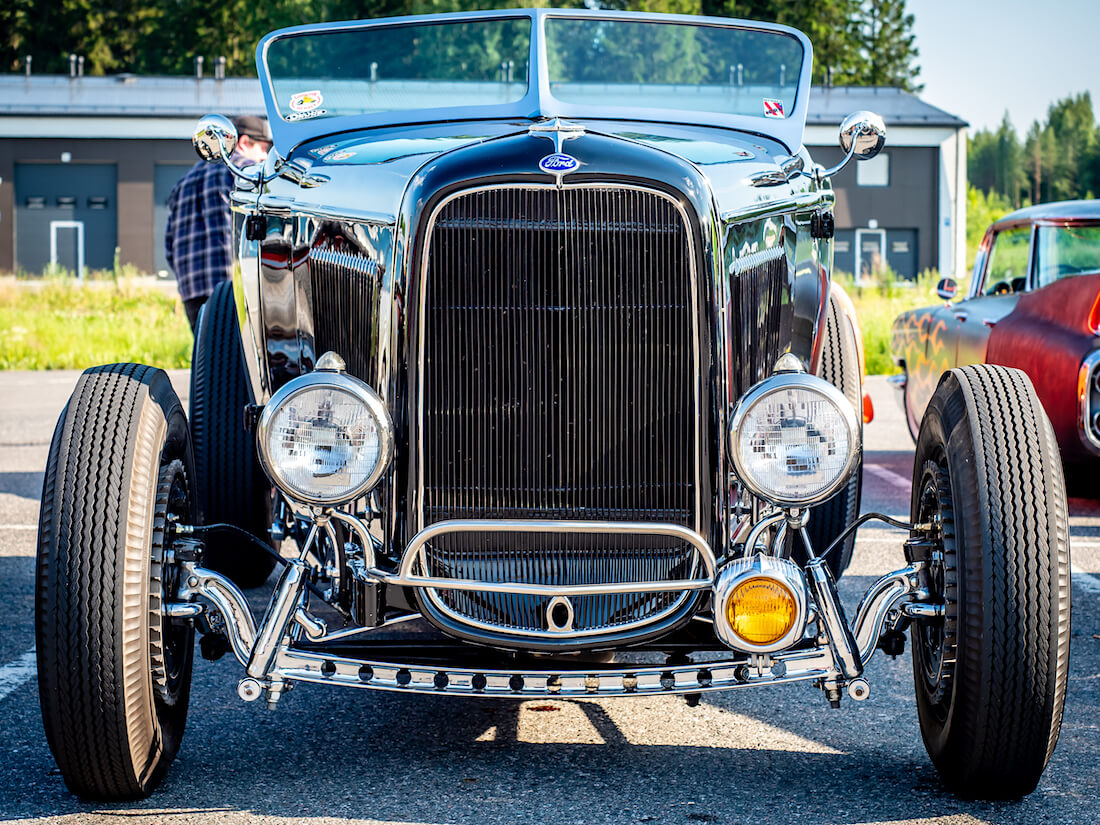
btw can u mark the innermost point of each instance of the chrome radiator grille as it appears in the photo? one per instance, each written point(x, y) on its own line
point(558, 381)
point(759, 316)
point(345, 294)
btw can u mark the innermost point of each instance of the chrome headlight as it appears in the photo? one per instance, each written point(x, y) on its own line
point(795, 439)
point(325, 438)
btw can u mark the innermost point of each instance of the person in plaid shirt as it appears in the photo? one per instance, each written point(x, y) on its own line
point(199, 237)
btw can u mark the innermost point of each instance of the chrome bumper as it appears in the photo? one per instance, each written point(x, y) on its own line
point(272, 663)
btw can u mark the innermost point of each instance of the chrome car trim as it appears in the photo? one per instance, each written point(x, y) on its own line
point(1088, 389)
point(284, 206)
point(311, 666)
point(787, 380)
point(645, 680)
point(350, 385)
point(876, 603)
point(280, 610)
point(421, 310)
point(240, 627)
point(801, 202)
point(763, 566)
point(408, 577)
point(841, 639)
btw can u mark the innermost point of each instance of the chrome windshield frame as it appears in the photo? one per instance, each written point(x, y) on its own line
point(538, 101)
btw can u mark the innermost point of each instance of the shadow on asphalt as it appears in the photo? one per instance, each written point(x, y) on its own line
point(24, 485)
point(336, 754)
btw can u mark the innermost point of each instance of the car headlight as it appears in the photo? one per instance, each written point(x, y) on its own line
point(325, 438)
point(794, 439)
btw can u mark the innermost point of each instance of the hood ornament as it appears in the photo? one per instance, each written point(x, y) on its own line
point(558, 163)
point(557, 130)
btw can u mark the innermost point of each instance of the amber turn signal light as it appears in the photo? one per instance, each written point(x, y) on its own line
point(761, 610)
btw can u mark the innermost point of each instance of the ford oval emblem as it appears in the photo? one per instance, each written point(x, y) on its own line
point(558, 163)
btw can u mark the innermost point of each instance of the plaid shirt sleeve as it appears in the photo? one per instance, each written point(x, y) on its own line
point(198, 242)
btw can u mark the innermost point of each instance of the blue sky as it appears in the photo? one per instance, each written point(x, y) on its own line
point(979, 58)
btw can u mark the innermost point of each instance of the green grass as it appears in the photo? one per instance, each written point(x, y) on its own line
point(879, 304)
point(59, 324)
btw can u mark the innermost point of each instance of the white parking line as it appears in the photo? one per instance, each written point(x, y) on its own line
point(889, 476)
point(15, 674)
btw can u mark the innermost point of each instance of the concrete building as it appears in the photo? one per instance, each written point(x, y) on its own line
point(86, 165)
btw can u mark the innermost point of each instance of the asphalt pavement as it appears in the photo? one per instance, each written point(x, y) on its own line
point(327, 755)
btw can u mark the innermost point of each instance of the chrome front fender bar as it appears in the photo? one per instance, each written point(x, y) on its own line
point(289, 663)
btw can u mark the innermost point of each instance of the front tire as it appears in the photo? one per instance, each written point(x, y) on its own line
point(231, 486)
point(840, 367)
point(114, 675)
point(990, 676)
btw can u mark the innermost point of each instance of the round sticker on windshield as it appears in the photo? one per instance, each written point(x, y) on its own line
point(305, 101)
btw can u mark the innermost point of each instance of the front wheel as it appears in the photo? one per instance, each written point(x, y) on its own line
point(114, 673)
point(990, 674)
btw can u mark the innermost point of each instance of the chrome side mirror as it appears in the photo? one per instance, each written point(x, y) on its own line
point(946, 289)
point(215, 138)
point(862, 135)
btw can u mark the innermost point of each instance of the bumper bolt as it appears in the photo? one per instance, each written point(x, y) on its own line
point(249, 689)
point(858, 689)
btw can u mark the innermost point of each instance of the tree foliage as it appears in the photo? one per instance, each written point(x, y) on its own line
point(1058, 159)
point(859, 42)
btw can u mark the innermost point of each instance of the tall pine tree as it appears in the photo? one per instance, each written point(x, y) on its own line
point(888, 45)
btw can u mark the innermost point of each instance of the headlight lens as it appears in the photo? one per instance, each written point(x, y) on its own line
point(761, 610)
point(325, 438)
point(795, 439)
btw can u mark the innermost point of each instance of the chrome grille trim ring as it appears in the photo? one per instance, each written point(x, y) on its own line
point(558, 381)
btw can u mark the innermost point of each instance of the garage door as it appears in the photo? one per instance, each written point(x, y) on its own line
point(62, 209)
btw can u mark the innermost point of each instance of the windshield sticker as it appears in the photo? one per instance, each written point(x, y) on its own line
point(343, 154)
point(773, 107)
point(305, 101)
point(295, 116)
point(322, 150)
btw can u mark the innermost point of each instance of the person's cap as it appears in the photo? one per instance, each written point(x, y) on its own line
point(253, 126)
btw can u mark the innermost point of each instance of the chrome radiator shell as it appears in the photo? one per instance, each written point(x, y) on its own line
point(558, 380)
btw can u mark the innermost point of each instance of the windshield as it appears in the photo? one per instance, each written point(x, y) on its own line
point(530, 63)
point(673, 66)
point(391, 68)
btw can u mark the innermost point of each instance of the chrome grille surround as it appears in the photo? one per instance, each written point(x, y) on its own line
point(610, 564)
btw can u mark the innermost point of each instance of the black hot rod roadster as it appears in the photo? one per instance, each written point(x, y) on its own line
point(536, 350)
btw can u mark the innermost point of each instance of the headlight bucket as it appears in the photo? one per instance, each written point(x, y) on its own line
point(760, 604)
point(325, 438)
point(794, 439)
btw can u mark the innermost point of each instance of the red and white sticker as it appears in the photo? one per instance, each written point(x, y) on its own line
point(305, 101)
point(773, 107)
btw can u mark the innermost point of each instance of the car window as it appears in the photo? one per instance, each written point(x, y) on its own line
point(1064, 251)
point(1006, 271)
